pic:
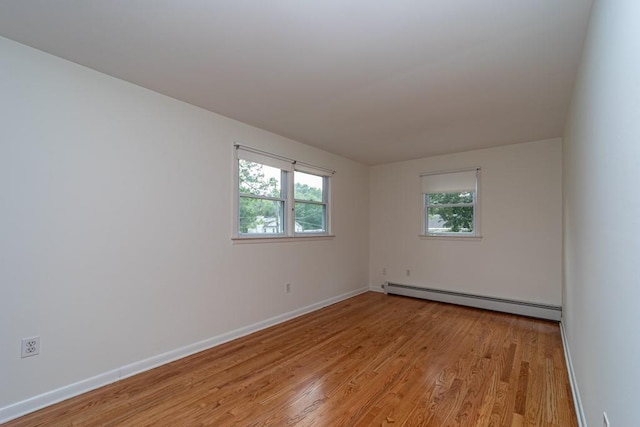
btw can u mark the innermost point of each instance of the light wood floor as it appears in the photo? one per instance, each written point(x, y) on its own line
point(373, 360)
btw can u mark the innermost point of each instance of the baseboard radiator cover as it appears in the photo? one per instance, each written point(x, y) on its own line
point(541, 311)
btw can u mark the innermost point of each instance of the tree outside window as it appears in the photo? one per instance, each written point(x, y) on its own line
point(263, 200)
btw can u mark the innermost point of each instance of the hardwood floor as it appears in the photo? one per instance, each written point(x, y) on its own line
point(373, 360)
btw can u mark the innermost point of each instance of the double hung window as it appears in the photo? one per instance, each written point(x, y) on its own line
point(280, 197)
point(311, 200)
point(451, 203)
point(262, 198)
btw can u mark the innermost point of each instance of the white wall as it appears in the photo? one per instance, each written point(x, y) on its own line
point(602, 217)
point(520, 254)
point(116, 224)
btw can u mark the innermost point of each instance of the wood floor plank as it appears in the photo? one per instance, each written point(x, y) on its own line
point(373, 360)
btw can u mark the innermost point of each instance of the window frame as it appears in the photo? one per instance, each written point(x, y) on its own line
point(286, 195)
point(475, 204)
point(325, 202)
point(283, 190)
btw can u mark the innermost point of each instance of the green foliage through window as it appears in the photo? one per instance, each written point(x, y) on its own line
point(450, 212)
point(260, 215)
point(262, 198)
point(254, 180)
point(310, 217)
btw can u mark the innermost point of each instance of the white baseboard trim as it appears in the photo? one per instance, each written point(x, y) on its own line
point(523, 308)
point(582, 420)
point(35, 403)
point(379, 289)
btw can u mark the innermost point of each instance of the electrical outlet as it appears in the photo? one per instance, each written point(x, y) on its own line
point(384, 271)
point(288, 287)
point(408, 272)
point(605, 420)
point(30, 346)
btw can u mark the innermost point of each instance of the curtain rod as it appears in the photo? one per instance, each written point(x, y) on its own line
point(283, 158)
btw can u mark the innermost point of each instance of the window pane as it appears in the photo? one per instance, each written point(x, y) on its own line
point(450, 220)
point(259, 180)
point(310, 218)
point(308, 187)
point(450, 198)
point(260, 216)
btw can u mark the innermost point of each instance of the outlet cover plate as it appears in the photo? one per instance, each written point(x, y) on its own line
point(30, 346)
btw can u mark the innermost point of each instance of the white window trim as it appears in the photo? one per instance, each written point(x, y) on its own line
point(448, 237)
point(289, 201)
point(326, 197)
point(476, 235)
point(282, 239)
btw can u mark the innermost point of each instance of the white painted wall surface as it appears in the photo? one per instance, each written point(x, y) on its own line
point(520, 254)
point(116, 224)
point(602, 217)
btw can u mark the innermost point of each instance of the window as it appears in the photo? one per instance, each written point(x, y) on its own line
point(280, 197)
point(310, 195)
point(262, 199)
point(450, 203)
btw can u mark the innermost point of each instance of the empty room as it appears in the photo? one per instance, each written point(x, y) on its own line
point(319, 213)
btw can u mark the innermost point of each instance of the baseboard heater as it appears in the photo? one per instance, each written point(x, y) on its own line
point(542, 311)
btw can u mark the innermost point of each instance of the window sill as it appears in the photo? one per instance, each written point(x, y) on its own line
point(449, 237)
point(281, 239)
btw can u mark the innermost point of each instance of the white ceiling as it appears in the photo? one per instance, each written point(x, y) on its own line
point(375, 81)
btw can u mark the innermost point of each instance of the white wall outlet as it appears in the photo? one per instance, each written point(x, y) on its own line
point(408, 272)
point(30, 346)
point(605, 420)
point(288, 287)
point(384, 271)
